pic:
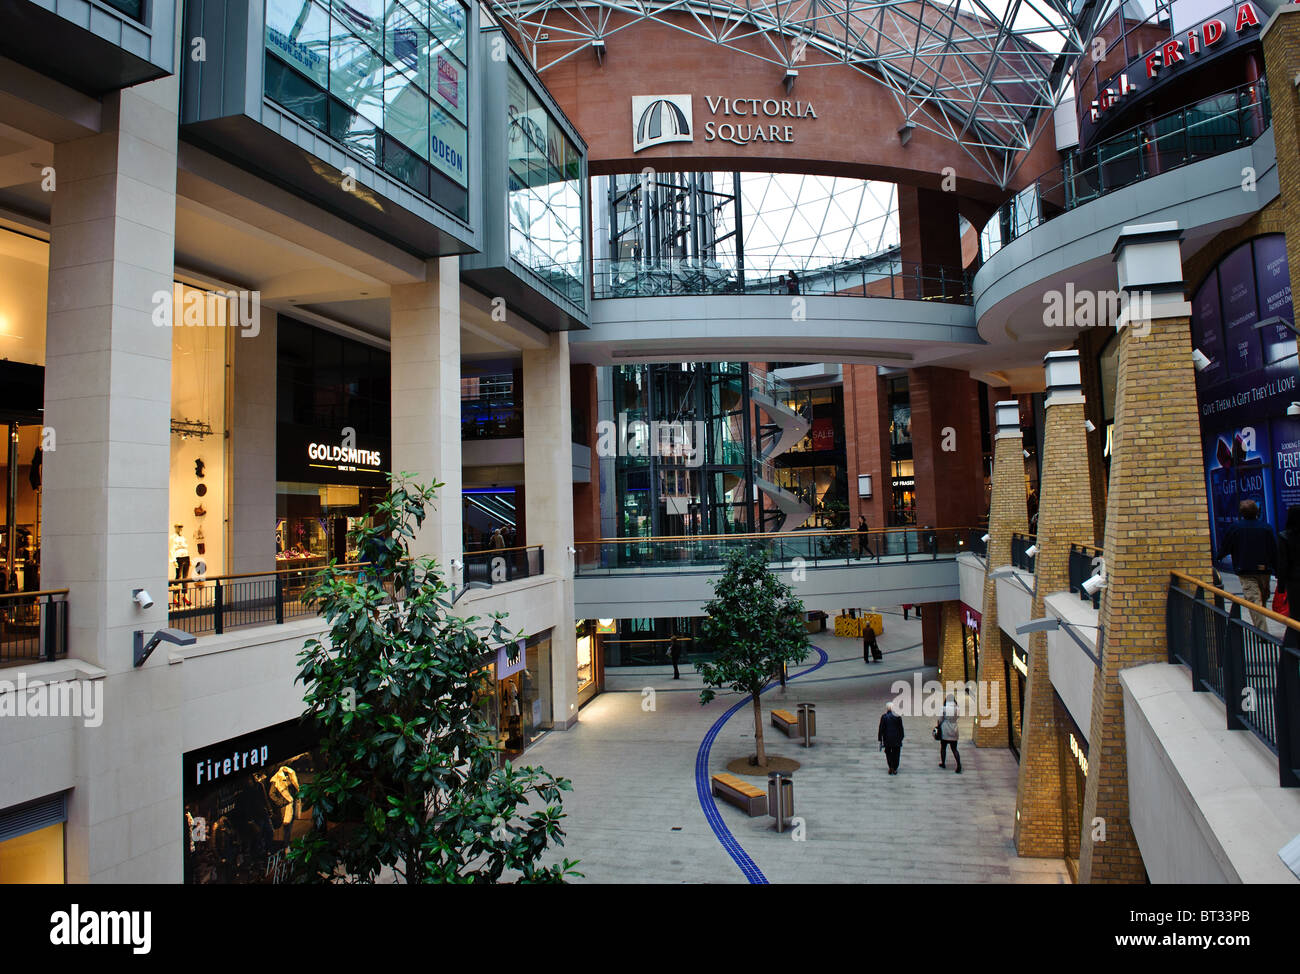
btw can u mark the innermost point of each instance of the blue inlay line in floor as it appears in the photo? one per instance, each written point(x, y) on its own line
point(704, 790)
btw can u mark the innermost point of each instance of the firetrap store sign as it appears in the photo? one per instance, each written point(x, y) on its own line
point(660, 119)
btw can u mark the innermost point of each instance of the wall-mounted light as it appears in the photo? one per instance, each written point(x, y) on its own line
point(598, 47)
point(1031, 551)
point(790, 75)
point(864, 485)
point(905, 131)
point(1200, 360)
point(1089, 426)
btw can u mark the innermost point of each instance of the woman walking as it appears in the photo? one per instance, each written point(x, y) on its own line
point(946, 731)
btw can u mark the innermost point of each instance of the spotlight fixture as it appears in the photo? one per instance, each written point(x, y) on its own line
point(985, 539)
point(905, 131)
point(1031, 551)
point(1094, 584)
point(1293, 409)
point(572, 550)
point(142, 598)
point(598, 48)
point(457, 564)
point(1026, 453)
point(790, 75)
point(1089, 426)
point(1200, 360)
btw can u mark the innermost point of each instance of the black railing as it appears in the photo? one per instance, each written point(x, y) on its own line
point(976, 541)
point(882, 276)
point(497, 565)
point(1256, 673)
point(813, 549)
point(1210, 127)
point(33, 626)
point(210, 606)
point(1083, 565)
point(1020, 547)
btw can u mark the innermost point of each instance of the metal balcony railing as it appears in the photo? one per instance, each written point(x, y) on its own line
point(885, 276)
point(701, 553)
point(497, 565)
point(1210, 127)
point(33, 626)
point(1083, 564)
point(1254, 671)
point(1020, 556)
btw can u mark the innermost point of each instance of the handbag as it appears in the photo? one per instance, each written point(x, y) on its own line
point(1281, 605)
point(935, 732)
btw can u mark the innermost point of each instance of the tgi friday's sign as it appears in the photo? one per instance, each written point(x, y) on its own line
point(1225, 29)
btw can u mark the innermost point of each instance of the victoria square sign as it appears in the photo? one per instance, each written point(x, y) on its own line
point(659, 119)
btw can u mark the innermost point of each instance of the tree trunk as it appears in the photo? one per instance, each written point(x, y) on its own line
point(758, 732)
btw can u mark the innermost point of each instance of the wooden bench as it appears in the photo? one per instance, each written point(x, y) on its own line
point(748, 798)
point(786, 722)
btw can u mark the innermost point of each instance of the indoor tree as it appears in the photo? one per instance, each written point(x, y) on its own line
point(408, 784)
point(753, 626)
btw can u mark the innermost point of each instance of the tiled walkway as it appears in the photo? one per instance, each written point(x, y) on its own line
point(633, 815)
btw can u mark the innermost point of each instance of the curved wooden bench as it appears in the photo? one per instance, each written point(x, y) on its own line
point(748, 798)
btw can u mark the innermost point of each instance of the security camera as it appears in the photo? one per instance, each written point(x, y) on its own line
point(1026, 453)
point(1088, 425)
point(1094, 584)
point(1200, 360)
point(985, 539)
point(1293, 409)
point(1031, 551)
point(142, 598)
point(456, 564)
point(572, 550)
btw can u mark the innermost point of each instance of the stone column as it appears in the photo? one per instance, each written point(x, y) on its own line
point(548, 500)
point(948, 457)
point(1281, 39)
point(1156, 521)
point(426, 402)
point(866, 444)
point(1065, 515)
point(104, 518)
point(951, 646)
point(252, 449)
point(1008, 513)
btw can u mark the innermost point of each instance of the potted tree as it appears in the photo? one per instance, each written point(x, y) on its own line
point(408, 786)
point(754, 627)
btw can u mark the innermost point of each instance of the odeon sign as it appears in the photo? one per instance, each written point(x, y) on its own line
point(1156, 65)
point(660, 119)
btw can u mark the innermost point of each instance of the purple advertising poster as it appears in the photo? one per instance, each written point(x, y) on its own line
point(1237, 469)
point(1273, 280)
point(1207, 332)
point(1237, 290)
point(1286, 466)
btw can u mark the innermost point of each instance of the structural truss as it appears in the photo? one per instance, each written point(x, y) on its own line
point(978, 72)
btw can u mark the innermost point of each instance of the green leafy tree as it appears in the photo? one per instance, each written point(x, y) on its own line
point(753, 627)
point(409, 783)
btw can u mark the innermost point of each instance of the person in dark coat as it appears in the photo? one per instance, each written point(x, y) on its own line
point(863, 539)
point(1253, 550)
point(675, 651)
point(890, 736)
point(791, 282)
point(870, 647)
point(1288, 561)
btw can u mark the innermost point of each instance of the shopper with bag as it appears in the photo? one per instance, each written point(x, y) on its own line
point(945, 732)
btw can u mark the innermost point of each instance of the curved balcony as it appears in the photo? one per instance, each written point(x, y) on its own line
point(1210, 127)
point(877, 276)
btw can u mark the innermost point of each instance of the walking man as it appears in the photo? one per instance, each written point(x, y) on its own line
point(1253, 550)
point(863, 536)
point(890, 736)
point(870, 647)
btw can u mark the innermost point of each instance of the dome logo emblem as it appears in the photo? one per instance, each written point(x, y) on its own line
point(657, 119)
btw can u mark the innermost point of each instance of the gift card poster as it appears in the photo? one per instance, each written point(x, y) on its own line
point(1238, 468)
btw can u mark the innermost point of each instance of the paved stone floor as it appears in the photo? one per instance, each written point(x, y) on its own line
point(634, 816)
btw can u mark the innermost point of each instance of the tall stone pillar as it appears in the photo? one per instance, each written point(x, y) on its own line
point(1156, 521)
point(948, 457)
point(252, 449)
point(548, 500)
point(425, 370)
point(1008, 513)
point(104, 519)
point(1064, 515)
point(866, 444)
point(951, 643)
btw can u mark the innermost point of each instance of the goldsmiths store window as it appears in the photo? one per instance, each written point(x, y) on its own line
point(387, 80)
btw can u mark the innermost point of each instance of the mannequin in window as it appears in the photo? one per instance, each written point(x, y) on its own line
point(283, 789)
point(181, 559)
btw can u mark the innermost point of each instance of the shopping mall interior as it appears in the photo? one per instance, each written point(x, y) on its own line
point(973, 318)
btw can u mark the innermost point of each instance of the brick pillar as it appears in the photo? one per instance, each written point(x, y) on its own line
point(1281, 38)
point(951, 644)
point(1008, 513)
point(946, 447)
point(866, 443)
point(1156, 521)
point(1065, 515)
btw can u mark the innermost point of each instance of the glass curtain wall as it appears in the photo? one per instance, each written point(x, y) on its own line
point(684, 450)
point(386, 79)
point(546, 193)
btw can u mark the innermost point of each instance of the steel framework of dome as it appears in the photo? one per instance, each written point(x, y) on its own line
point(977, 72)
